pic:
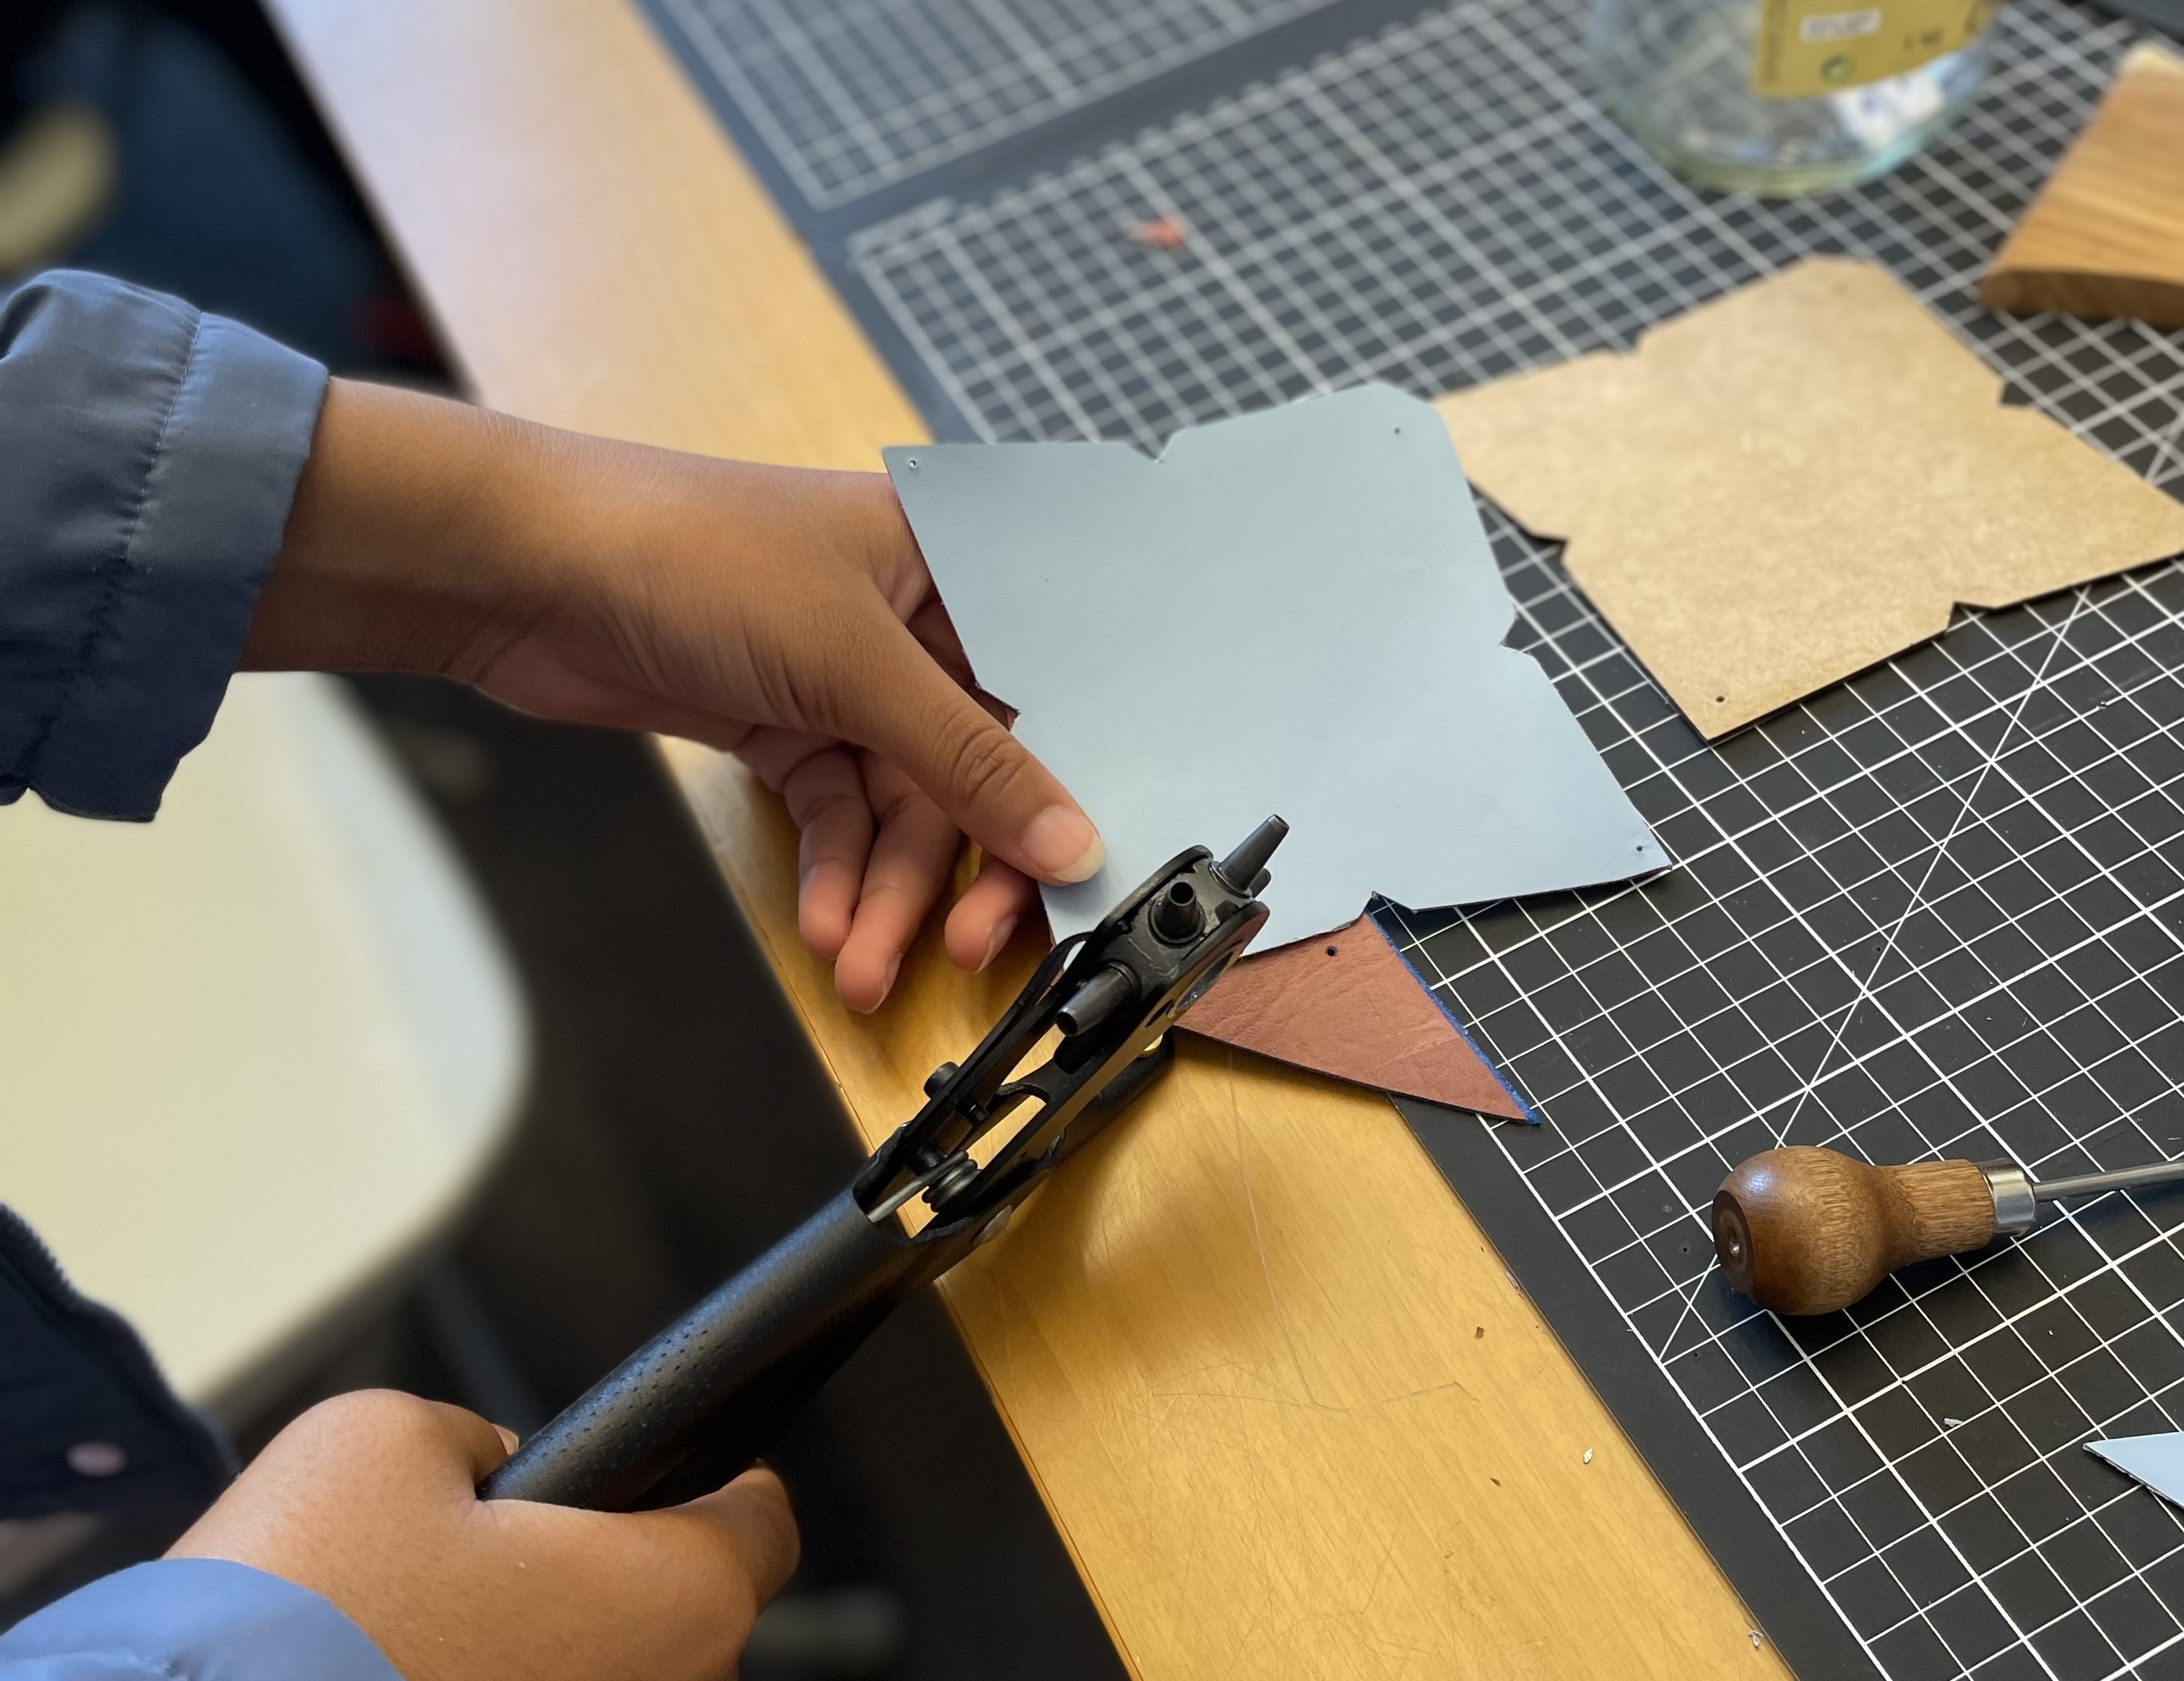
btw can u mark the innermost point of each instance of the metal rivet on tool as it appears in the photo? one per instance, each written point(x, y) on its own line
point(911, 463)
point(98, 1459)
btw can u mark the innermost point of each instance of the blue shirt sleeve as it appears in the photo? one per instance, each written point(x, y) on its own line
point(190, 1620)
point(148, 454)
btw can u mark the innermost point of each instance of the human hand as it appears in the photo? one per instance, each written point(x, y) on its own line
point(370, 1499)
point(780, 614)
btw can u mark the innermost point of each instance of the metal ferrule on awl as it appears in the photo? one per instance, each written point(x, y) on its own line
point(2018, 1196)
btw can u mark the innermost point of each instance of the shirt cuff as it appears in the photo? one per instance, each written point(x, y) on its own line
point(224, 417)
point(191, 1619)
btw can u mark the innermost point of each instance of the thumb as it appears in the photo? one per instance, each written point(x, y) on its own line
point(752, 1512)
point(989, 782)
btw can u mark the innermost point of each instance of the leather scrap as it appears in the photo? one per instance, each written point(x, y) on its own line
point(1346, 1004)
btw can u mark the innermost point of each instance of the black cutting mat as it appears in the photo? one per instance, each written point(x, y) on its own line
point(850, 96)
point(1938, 910)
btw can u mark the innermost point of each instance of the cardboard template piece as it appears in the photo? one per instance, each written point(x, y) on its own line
point(2106, 235)
point(1346, 1004)
point(2158, 1461)
point(1294, 611)
point(1795, 482)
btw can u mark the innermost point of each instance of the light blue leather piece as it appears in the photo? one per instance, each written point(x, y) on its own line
point(1295, 612)
point(2158, 1461)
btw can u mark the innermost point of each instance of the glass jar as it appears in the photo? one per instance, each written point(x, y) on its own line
point(1780, 96)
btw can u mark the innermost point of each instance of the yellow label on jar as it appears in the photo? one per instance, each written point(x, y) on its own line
point(1813, 47)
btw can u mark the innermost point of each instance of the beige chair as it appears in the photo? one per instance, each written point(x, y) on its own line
point(257, 1055)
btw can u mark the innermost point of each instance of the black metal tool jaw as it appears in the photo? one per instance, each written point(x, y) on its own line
point(1112, 993)
point(696, 1403)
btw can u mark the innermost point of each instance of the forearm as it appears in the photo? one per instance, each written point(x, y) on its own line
point(419, 525)
point(428, 535)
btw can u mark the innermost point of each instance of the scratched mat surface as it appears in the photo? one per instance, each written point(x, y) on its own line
point(1940, 910)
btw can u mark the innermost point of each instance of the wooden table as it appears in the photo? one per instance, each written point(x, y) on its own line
point(1288, 1408)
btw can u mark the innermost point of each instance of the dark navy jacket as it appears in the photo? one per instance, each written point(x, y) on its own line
point(148, 454)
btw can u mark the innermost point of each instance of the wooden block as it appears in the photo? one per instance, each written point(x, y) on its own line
point(2105, 238)
point(1347, 1004)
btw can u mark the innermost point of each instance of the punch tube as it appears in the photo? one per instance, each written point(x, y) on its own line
point(722, 1377)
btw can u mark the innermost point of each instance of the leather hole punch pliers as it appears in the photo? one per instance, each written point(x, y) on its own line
point(694, 1405)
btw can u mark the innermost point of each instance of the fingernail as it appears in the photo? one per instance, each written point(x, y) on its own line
point(887, 982)
point(1063, 844)
point(999, 938)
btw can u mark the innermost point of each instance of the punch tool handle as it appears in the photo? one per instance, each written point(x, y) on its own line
point(695, 1404)
point(725, 1374)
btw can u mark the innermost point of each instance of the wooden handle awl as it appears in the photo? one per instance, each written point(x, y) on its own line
point(1807, 1231)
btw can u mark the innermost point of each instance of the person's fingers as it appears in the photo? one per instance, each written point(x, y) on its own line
point(370, 1452)
point(753, 1512)
point(773, 752)
point(477, 1447)
point(896, 699)
point(987, 913)
point(387, 1427)
point(911, 859)
point(825, 798)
